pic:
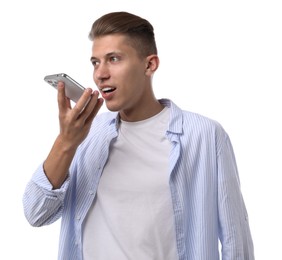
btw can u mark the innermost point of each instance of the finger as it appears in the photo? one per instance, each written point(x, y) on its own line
point(83, 101)
point(63, 101)
point(95, 111)
point(87, 110)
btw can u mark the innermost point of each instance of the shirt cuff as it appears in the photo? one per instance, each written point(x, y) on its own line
point(39, 178)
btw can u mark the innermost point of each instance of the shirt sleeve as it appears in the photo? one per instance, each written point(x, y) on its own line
point(43, 205)
point(235, 235)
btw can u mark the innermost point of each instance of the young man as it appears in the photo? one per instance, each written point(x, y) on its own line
point(144, 181)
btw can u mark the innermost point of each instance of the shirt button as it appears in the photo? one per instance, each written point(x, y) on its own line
point(91, 192)
point(78, 218)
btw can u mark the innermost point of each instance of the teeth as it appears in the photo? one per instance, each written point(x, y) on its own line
point(106, 89)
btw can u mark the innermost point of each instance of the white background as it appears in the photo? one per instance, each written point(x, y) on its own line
point(222, 59)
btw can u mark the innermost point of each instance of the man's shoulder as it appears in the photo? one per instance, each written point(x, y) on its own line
point(194, 121)
point(188, 115)
point(197, 117)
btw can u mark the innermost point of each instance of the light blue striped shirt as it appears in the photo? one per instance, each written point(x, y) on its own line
point(205, 189)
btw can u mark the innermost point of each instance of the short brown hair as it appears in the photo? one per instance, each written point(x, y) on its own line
point(139, 31)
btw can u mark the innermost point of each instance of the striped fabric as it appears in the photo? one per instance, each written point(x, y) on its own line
point(207, 201)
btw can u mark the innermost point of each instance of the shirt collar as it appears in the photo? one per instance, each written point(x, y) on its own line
point(175, 118)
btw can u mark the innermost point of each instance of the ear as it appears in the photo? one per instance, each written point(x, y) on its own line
point(152, 64)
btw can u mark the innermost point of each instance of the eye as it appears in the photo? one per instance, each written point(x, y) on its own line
point(114, 59)
point(94, 62)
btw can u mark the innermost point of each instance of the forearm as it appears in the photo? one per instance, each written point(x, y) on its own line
point(233, 218)
point(235, 235)
point(57, 163)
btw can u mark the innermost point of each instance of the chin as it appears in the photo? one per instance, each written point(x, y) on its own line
point(112, 107)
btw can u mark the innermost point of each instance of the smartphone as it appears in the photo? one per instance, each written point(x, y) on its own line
point(73, 89)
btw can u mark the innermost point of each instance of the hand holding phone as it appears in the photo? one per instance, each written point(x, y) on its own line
point(73, 89)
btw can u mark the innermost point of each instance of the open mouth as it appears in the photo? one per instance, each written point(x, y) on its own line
point(107, 89)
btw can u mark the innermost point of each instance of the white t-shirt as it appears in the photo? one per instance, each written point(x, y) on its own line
point(132, 216)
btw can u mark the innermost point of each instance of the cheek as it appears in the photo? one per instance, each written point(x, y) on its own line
point(96, 81)
point(93, 76)
point(134, 75)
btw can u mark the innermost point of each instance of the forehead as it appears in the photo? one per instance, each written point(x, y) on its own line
point(111, 43)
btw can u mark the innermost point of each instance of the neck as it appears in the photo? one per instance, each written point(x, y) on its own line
point(150, 109)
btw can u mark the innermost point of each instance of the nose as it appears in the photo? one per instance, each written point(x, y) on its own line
point(101, 73)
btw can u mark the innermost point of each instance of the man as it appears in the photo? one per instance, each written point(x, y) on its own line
point(145, 180)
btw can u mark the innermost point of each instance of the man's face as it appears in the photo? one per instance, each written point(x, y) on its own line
point(120, 74)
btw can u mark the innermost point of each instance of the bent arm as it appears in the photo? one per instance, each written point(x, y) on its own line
point(74, 127)
point(44, 194)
